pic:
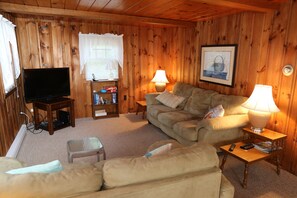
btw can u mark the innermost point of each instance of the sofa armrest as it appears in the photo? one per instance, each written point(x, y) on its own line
point(151, 98)
point(7, 163)
point(223, 123)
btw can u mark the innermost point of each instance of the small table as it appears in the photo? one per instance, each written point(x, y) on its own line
point(141, 106)
point(51, 106)
point(85, 147)
point(254, 155)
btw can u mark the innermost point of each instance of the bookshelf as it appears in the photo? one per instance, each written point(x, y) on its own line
point(104, 99)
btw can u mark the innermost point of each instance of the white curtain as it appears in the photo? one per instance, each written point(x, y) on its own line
point(106, 50)
point(7, 59)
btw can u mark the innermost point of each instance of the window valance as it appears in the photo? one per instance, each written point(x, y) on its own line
point(9, 57)
point(106, 50)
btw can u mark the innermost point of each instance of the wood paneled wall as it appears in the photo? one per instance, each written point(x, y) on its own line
point(49, 43)
point(266, 42)
point(10, 107)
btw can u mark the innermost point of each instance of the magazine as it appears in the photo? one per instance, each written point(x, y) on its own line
point(265, 147)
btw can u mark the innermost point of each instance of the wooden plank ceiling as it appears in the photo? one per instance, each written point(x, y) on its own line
point(174, 12)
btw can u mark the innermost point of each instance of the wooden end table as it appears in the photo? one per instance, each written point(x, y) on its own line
point(51, 106)
point(141, 106)
point(253, 155)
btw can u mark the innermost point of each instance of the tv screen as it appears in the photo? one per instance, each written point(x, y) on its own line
point(46, 84)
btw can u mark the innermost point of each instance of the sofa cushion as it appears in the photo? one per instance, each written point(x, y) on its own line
point(69, 182)
point(187, 130)
point(155, 110)
point(231, 103)
point(169, 99)
point(170, 118)
point(125, 171)
point(200, 101)
point(184, 90)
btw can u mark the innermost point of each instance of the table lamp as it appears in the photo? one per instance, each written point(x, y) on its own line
point(160, 80)
point(260, 105)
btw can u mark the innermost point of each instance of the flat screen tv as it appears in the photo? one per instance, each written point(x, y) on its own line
point(46, 84)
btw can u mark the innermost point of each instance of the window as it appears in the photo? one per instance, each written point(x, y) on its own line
point(100, 55)
point(9, 57)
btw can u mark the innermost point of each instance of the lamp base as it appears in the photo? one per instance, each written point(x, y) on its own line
point(160, 87)
point(258, 120)
point(257, 130)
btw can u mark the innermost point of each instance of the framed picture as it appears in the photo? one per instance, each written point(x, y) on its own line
point(218, 64)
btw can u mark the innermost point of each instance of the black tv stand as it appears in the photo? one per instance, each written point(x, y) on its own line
point(53, 105)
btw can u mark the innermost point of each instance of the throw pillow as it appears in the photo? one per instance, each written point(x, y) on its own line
point(74, 180)
point(215, 112)
point(160, 150)
point(50, 167)
point(170, 99)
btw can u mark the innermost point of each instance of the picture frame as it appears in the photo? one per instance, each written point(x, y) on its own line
point(218, 63)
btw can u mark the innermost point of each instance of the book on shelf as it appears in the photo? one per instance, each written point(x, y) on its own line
point(265, 147)
point(101, 112)
point(111, 89)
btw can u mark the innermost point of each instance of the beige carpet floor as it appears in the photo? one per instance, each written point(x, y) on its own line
point(130, 135)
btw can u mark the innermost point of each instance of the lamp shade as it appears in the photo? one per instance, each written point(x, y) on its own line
point(160, 80)
point(260, 105)
point(160, 77)
point(261, 100)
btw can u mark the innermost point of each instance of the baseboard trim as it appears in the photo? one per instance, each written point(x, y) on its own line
point(17, 142)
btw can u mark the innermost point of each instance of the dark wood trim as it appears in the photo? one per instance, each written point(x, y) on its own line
point(11, 92)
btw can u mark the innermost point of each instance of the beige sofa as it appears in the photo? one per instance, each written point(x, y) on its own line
point(186, 124)
point(183, 172)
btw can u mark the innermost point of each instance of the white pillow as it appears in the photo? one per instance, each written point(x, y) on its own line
point(170, 99)
point(160, 150)
point(215, 112)
point(51, 167)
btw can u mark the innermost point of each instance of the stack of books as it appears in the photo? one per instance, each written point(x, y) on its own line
point(101, 112)
point(265, 147)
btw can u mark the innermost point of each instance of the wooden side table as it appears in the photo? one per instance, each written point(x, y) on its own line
point(254, 155)
point(49, 107)
point(141, 106)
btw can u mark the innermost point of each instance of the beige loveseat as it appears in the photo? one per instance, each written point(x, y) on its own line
point(186, 124)
point(183, 172)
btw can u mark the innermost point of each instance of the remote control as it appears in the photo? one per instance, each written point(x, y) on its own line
point(232, 147)
point(247, 146)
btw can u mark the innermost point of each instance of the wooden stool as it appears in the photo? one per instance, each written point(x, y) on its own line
point(141, 106)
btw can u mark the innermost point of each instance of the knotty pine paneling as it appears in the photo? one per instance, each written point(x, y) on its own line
point(285, 28)
point(10, 118)
point(10, 107)
point(266, 42)
point(47, 43)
